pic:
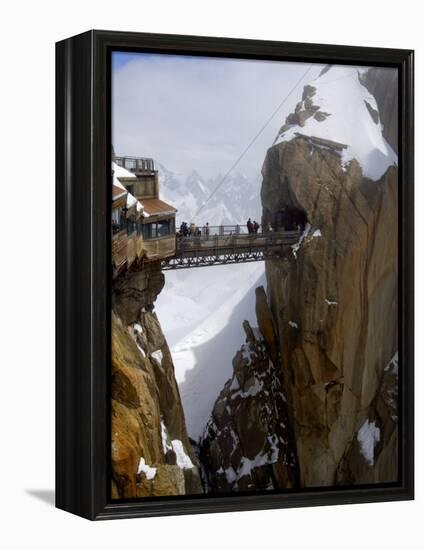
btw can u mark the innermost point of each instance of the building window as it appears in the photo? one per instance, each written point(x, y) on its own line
point(122, 220)
point(158, 229)
point(115, 221)
point(129, 164)
point(163, 228)
point(147, 230)
point(131, 227)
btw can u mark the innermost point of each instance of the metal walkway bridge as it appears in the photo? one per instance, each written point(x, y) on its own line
point(222, 245)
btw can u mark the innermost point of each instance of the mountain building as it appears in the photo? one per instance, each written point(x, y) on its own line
point(143, 226)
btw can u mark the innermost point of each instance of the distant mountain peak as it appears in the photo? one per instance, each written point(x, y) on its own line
point(228, 201)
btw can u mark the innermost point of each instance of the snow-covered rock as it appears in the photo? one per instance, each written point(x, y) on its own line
point(246, 445)
point(337, 107)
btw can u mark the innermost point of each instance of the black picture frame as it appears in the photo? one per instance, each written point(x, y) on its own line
point(83, 260)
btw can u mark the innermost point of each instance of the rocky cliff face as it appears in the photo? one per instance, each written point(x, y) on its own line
point(151, 452)
point(247, 442)
point(334, 300)
point(382, 83)
point(312, 400)
point(313, 397)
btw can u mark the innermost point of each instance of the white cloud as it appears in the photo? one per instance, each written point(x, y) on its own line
point(198, 112)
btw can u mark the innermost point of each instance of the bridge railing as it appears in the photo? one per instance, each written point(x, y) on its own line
point(214, 230)
point(223, 231)
point(221, 236)
point(135, 164)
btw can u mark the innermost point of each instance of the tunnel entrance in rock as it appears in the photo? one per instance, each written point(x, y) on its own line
point(290, 218)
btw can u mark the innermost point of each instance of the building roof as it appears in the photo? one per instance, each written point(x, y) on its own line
point(117, 192)
point(154, 207)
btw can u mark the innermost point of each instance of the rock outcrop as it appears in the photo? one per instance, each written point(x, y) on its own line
point(247, 442)
point(334, 304)
point(371, 457)
point(382, 83)
point(151, 452)
point(304, 109)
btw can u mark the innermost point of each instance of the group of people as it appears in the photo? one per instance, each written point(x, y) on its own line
point(252, 227)
point(192, 230)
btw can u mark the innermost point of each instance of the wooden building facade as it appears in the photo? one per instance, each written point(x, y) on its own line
point(143, 226)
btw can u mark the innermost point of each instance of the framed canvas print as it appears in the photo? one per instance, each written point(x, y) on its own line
point(234, 274)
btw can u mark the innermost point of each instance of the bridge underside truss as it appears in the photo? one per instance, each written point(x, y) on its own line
point(184, 261)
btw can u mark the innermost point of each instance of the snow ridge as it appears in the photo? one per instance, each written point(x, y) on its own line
point(347, 118)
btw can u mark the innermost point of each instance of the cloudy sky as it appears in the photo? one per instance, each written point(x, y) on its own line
point(200, 113)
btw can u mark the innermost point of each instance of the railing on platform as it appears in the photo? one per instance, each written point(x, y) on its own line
point(221, 236)
point(135, 164)
point(223, 230)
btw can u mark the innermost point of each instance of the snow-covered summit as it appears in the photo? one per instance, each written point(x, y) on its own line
point(337, 107)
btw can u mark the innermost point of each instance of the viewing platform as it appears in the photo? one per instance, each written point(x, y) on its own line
point(136, 165)
point(144, 228)
point(222, 245)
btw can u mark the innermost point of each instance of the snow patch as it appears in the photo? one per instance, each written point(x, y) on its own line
point(158, 356)
point(230, 474)
point(119, 172)
point(246, 353)
point(393, 364)
point(183, 460)
point(296, 246)
point(131, 330)
point(293, 324)
point(331, 303)
point(251, 392)
point(368, 437)
point(270, 457)
point(138, 328)
point(164, 435)
point(149, 471)
point(316, 233)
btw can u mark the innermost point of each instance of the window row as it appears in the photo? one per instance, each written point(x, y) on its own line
point(152, 230)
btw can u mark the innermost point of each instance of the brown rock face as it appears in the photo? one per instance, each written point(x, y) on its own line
point(382, 83)
point(266, 324)
point(334, 301)
point(247, 444)
point(359, 462)
point(148, 426)
point(136, 289)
